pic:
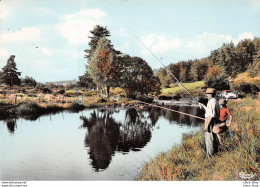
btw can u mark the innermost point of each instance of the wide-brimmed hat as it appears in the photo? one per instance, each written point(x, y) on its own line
point(210, 91)
point(222, 101)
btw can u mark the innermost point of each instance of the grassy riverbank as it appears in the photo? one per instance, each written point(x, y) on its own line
point(240, 152)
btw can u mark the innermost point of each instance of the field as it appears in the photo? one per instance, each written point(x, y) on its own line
point(176, 89)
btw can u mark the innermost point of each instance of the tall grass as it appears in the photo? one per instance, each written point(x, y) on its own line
point(240, 152)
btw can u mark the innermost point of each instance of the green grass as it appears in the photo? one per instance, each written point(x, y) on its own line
point(240, 152)
point(176, 89)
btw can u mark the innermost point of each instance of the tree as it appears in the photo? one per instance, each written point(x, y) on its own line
point(254, 68)
point(164, 78)
point(216, 77)
point(98, 32)
point(1, 77)
point(29, 81)
point(103, 65)
point(185, 67)
point(175, 70)
point(10, 73)
point(245, 54)
point(199, 69)
point(86, 81)
point(137, 78)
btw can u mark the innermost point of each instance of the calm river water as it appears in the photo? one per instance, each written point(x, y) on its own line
point(95, 144)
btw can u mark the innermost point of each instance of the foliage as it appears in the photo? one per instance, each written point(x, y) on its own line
point(164, 78)
point(1, 75)
point(136, 77)
point(10, 73)
point(97, 32)
point(86, 81)
point(254, 68)
point(216, 77)
point(29, 81)
point(234, 59)
point(246, 84)
point(103, 67)
point(199, 69)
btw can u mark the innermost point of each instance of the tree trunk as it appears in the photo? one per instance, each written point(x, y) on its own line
point(107, 88)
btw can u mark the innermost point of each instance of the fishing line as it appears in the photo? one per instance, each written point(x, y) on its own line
point(178, 82)
point(170, 110)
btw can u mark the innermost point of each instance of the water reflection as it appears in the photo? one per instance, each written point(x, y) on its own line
point(102, 138)
point(135, 131)
point(11, 125)
point(106, 135)
point(182, 119)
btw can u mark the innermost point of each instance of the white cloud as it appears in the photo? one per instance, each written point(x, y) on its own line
point(243, 36)
point(22, 35)
point(4, 11)
point(160, 44)
point(87, 13)
point(76, 27)
point(3, 52)
point(45, 51)
point(207, 41)
point(254, 4)
point(4, 56)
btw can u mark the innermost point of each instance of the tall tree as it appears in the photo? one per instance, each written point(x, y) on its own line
point(199, 69)
point(98, 32)
point(137, 78)
point(245, 54)
point(254, 68)
point(216, 77)
point(10, 73)
point(164, 78)
point(103, 65)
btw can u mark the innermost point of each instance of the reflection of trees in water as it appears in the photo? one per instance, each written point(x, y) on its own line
point(105, 135)
point(102, 138)
point(135, 131)
point(11, 125)
point(182, 119)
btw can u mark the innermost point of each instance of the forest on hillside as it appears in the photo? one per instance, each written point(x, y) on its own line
point(230, 66)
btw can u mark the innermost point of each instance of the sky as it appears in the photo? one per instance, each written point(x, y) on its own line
point(49, 37)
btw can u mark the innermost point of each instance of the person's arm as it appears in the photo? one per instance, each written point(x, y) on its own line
point(230, 119)
point(202, 106)
point(206, 124)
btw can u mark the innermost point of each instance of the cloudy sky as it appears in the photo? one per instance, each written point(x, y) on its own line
point(49, 37)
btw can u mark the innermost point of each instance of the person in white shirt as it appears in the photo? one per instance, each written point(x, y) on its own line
point(211, 117)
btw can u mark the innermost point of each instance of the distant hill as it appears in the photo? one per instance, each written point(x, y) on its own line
point(69, 82)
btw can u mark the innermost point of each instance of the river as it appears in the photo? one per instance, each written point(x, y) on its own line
point(94, 144)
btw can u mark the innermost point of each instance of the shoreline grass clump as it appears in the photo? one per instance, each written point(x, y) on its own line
point(238, 157)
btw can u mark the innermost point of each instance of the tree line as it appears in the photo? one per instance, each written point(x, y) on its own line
point(219, 68)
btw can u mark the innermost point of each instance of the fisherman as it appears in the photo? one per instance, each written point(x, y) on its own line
point(211, 118)
point(225, 119)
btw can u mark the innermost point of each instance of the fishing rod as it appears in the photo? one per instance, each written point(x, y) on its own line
point(170, 109)
point(178, 82)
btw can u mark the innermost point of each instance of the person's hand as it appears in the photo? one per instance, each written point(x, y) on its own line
point(202, 106)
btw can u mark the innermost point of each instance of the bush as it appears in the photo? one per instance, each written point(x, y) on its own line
point(246, 84)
